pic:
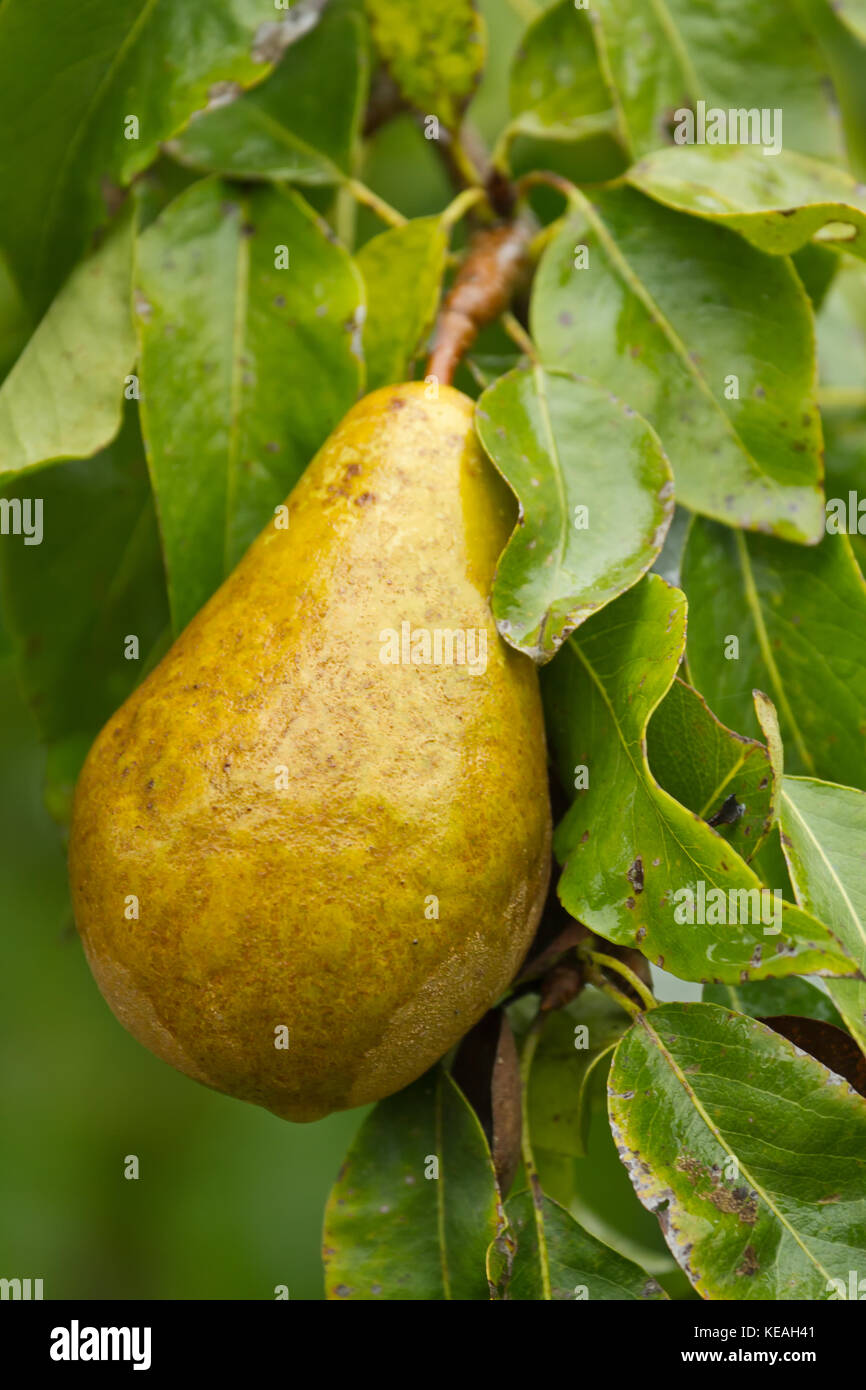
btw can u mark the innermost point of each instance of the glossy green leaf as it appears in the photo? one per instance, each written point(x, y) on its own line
point(824, 839)
point(852, 13)
point(245, 367)
point(68, 142)
point(402, 270)
point(842, 368)
point(770, 866)
point(752, 1154)
point(574, 1042)
point(301, 124)
point(777, 203)
point(844, 50)
point(159, 185)
point(768, 720)
point(595, 1187)
point(632, 854)
point(669, 559)
point(845, 435)
point(435, 54)
point(777, 997)
point(557, 1261)
point(842, 339)
point(816, 266)
point(733, 55)
point(721, 351)
point(583, 152)
point(64, 396)
point(15, 322)
point(790, 620)
point(703, 765)
point(564, 114)
point(415, 1207)
point(73, 601)
point(595, 494)
point(555, 75)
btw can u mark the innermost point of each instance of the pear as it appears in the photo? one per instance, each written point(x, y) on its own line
point(312, 848)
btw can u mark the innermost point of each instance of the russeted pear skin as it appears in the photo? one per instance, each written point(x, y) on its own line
point(320, 840)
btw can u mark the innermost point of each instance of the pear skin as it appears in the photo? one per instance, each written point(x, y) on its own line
point(303, 828)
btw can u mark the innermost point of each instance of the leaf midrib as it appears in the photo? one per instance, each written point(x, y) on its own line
point(642, 293)
point(129, 41)
point(861, 929)
point(540, 379)
point(716, 1133)
point(753, 602)
point(643, 773)
point(669, 26)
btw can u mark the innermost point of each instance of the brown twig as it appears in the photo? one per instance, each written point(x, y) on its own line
point(494, 266)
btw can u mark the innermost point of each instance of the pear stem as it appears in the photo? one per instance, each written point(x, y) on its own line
point(518, 334)
point(611, 963)
point(362, 194)
point(495, 264)
point(459, 205)
point(595, 977)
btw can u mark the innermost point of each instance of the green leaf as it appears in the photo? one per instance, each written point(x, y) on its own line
point(816, 266)
point(555, 76)
point(842, 367)
point(776, 997)
point(670, 557)
point(573, 1044)
point(582, 152)
point(435, 54)
point(703, 765)
point(67, 140)
point(852, 13)
point(845, 434)
point(768, 720)
point(245, 368)
point(842, 338)
point(157, 186)
point(64, 396)
point(824, 839)
point(769, 864)
point(675, 346)
point(750, 1152)
point(301, 124)
point(778, 204)
point(664, 57)
point(632, 854)
point(72, 602)
point(595, 494)
point(15, 322)
point(798, 615)
point(595, 1188)
point(402, 269)
point(415, 1207)
point(844, 50)
point(556, 1260)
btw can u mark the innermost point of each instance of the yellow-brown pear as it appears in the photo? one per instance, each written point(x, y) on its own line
point(334, 832)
